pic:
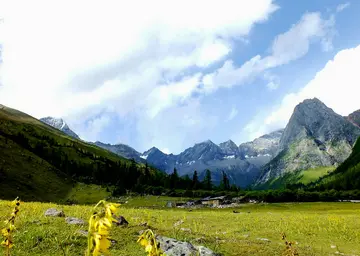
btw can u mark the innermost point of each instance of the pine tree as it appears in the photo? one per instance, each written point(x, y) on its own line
point(195, 181)
point(207, 180)
point(225, 183)
point(174, 178)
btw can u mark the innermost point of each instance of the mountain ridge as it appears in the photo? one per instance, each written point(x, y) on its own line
point(60, 124)
point(315, 136)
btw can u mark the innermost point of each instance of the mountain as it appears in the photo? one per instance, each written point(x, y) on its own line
point(230, 149)
point(208, 155)
point(121, 150)
point(160, 160)
point(315, 136)
point(266, 145)
point(354, 118)
point(59, 123)
point(41, 163)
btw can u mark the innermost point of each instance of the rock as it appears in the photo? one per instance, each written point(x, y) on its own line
point(170, 204)
point(263, 239)
point(83, 232)
point(186, 230)
point(203, 251)
point(52, 212)
point(173, 247)
point(74, 221)
point(121, 221)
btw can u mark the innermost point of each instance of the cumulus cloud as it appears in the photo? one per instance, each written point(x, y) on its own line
point(287, 47)
point(337, 85)
point(90, 52)
point(76, 59)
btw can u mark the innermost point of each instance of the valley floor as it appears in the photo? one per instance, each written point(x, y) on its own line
point(317, 228)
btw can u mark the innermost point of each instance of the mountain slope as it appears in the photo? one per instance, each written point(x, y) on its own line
point(39, 162)
point(315, 136)
point(346, 176)
point(354, 117)
point(59, 124)
point(121, 150)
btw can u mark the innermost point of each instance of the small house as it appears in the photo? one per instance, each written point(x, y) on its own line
point(213, 201)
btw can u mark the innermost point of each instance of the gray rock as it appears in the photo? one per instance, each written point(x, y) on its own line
point(173, 247)
point(263, 239)
point(74, 221)
point(52, 212)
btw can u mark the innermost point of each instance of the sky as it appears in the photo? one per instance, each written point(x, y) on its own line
point(174, 73)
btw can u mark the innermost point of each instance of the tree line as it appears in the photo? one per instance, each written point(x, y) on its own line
point(74, 160)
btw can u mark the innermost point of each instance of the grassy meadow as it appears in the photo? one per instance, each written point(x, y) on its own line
point(316, 228)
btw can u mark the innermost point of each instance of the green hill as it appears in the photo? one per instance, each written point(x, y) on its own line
point(297, 179)
point(40, 163)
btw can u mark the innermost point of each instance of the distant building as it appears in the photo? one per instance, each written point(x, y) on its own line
point(213, 201)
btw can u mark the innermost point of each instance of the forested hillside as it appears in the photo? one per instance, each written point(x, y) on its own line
point(38, 162)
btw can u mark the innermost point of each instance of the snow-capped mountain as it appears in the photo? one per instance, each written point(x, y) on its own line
point(59, 124)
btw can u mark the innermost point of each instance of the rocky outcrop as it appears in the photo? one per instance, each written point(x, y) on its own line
point(60, 124)
point(315, 136)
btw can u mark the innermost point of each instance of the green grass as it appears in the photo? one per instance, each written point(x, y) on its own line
point(314, 226)
point(311, 175)
point(300, 177)
point(87, 194)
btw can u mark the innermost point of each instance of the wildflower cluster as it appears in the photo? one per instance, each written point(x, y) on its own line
point(290, 250)
point(7, 232)
point(99, 228)
point(147, 239)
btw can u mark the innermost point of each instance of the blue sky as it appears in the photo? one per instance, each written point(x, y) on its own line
point(173, 74)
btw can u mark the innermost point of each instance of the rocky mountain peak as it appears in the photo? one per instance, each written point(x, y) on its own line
point(266, 145)
point(312, 118)
point(60, 124)
point(229, 148)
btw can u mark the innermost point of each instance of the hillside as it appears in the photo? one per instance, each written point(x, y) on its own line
point(38, 162)
point(314, 137)
point(346, 176)
point(354, 117)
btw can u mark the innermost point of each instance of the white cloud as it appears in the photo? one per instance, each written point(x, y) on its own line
point(232, 114)
point(97, 58)
point(272, 81)
point(342, 7)
point(287, 47)
point(337, 85)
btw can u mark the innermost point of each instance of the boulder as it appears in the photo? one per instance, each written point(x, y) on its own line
point(74, 221)
point(52, 212)
point(173, 247)
point(121, 220)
